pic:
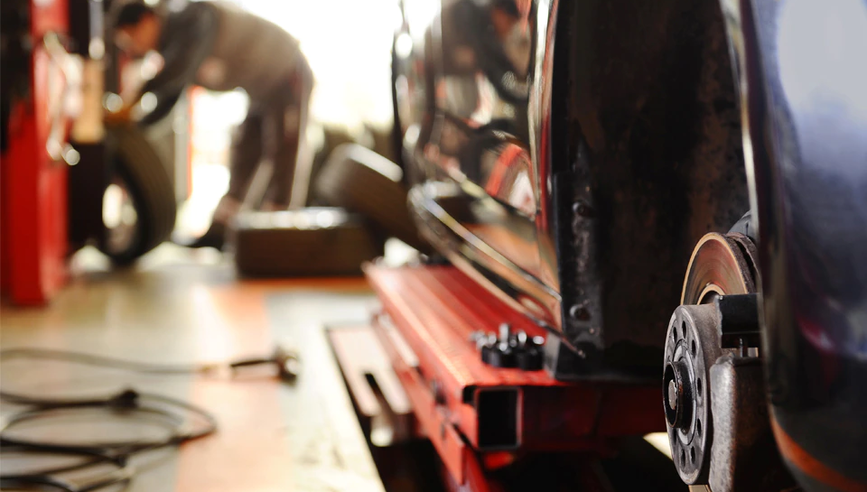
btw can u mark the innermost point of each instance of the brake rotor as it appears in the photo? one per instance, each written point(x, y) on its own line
point(720, 265)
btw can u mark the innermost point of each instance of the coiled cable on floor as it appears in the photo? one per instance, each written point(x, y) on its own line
point(183, 421)
point(171, 413)
point(46, 479)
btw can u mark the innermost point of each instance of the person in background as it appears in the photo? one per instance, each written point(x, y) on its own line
point(221, 47)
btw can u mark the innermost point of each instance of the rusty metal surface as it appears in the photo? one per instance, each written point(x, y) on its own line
point(648, 140)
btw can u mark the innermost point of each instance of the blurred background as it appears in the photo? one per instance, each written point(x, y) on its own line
point(350, 55)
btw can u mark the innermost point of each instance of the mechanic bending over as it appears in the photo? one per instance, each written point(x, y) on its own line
point(221, 47)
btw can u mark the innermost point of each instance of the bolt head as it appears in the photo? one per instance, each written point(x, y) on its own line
point(505, 332)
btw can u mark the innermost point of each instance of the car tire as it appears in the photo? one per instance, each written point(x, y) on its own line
point(363, 181)
point(145, 178)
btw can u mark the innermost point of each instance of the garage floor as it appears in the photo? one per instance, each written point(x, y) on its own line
point(180, 306)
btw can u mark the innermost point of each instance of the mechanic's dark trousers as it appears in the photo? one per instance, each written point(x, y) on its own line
point(271, 135)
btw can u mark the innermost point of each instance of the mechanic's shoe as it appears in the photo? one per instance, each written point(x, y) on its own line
point(214, 238)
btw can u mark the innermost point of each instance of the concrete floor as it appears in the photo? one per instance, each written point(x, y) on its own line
point(180, 306)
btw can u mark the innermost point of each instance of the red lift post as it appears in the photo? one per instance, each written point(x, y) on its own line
point(34, 211)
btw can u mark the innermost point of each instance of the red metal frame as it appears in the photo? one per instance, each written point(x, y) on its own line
point(435, 310)
point(433, 420)
point(34, 186)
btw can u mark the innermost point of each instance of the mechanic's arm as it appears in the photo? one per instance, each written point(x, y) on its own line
point(195, 30)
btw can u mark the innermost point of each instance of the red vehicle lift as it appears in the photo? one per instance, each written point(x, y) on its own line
point(478, 417)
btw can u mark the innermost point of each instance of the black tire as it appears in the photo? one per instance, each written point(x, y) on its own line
point(147, 181)
point(363, 181)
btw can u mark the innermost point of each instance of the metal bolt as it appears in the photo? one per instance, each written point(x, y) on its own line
point(583, 209)
point(505, 333)
point(479, 339)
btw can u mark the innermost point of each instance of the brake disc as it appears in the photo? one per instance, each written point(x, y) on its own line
point(720, 265)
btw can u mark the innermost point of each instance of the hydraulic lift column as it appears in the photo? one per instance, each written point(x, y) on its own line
point(34, 174)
